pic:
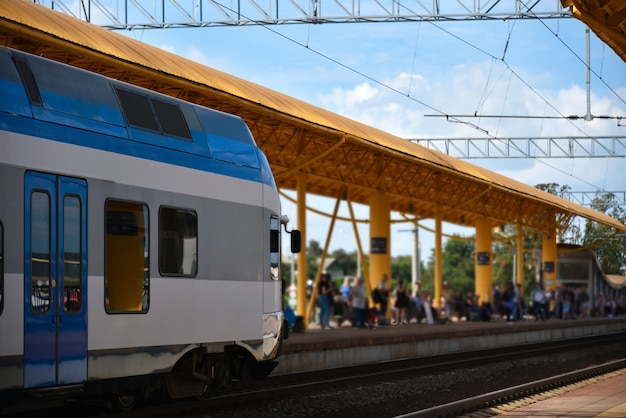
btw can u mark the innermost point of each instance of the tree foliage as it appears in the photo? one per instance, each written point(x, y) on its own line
point(402, 269)
point(459, 252)
point(347, 262)
point(554, 188)
point(571, 234)
point(313, 254)
point(611, 253)
point(505, 253)
point(458, 265)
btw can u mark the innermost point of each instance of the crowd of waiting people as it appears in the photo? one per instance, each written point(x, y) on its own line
point(349, 304)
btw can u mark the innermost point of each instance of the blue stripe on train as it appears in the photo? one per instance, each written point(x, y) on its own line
point(70, 135)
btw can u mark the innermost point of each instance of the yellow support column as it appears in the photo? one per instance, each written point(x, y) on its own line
point(484, 283)
point(302, 270)
point(380, 245)
point(320, 271)
point(549, 266)
point(519, 251)
point(438, 263)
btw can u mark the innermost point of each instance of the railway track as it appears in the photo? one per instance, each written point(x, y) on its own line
point(515, 397)
point(279, 389)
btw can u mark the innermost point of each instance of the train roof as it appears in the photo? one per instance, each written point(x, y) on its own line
point(158, 126)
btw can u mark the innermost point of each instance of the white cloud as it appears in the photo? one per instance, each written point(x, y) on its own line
point(489, 90)
point(393, 76)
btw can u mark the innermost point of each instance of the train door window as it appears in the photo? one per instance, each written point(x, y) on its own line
point(274, 248)
point(178, 242)
point(72, 254)
point(126, 251)
point(1, 268)
point(40, 241)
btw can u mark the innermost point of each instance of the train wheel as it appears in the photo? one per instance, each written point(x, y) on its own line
point(206, 394)
point(124, 402)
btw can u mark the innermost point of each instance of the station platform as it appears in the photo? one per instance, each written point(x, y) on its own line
point(316, 349)
point(605, 398)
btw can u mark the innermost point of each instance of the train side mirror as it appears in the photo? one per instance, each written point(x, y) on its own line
point(296, 241)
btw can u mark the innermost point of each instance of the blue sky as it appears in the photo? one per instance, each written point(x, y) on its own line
point(389, 75)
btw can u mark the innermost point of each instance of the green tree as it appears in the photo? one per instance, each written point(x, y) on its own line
point(611, 253)
point(402, 269)
point(504, 259)
point(502, 265)
point(346, 261)
point(554, 188)
point(458, 265)
point(313, 254)
point(572, 234)
point(428, 273)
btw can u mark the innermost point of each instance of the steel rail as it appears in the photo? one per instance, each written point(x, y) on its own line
point(476, 403)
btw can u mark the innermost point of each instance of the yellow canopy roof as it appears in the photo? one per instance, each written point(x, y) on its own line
point(340, 157)
point(606, 18)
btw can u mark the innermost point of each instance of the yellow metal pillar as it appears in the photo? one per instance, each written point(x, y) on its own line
point(363, 264)
point(484, 282)
point(519, 255)
point(549, 260)
point(302, 270)
point(380, 246)
point(320, 271)
point(438, 263)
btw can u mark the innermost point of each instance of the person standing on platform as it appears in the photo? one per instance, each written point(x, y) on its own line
point(358, 304)
point(323, 290)
point(510, 304)
point(401, 303)
point(418, 302)
point(498, 304)
point(447, 299)
point(521, 306)
point(567, 304)
point(538, 298)
point(584, 302)
point(383, 289)
point(345, 289)
point(559, 295)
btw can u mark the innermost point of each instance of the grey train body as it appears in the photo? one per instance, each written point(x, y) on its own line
point(144, 254)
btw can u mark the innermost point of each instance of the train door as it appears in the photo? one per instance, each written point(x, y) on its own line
point(55, 280)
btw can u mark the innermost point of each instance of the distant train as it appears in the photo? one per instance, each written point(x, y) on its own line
point(139, 239)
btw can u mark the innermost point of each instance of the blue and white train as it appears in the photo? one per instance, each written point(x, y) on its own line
point(139, 239)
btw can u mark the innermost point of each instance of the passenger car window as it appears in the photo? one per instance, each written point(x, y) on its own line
point(126, 252)
point(178, 242)
point(274, 248)
point(1, 268)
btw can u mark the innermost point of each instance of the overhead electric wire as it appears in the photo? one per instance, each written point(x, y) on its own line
point(449, 117)
point(581, 60)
